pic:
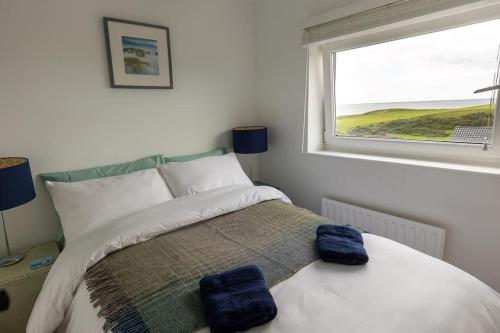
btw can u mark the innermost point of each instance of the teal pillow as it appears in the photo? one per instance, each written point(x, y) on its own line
point(185, 158)
point(104, 171)
point(60, 241)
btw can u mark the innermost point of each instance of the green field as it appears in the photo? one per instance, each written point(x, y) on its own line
point(413, 124)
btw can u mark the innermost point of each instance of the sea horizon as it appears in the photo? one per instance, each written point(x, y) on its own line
point(353, 109)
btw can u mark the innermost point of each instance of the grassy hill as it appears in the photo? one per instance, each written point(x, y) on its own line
point(412, 124)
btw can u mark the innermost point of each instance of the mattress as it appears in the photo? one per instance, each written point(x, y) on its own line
point(399, 290)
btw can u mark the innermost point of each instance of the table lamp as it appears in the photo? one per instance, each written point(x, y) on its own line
point(16, 188)
point(250, 140)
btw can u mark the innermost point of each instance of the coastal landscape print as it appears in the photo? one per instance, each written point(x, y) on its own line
point(140, 56)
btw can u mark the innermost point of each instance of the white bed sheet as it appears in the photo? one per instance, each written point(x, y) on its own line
point(87, 249)
point(399, 290)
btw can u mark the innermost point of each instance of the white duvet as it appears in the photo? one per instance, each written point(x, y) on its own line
point(399, 290)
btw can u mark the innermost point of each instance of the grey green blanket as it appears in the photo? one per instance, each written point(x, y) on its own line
point(153, 286)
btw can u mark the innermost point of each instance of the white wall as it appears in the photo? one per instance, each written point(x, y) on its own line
point(56, 106)
point(467, 205)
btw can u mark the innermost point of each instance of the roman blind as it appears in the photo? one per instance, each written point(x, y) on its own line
point(391, 13)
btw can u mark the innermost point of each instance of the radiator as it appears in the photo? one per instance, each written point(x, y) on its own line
point(420, 236)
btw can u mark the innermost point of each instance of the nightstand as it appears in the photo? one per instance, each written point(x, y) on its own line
point(23, 285)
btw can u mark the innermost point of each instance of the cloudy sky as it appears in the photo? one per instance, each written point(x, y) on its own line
point(439, 66)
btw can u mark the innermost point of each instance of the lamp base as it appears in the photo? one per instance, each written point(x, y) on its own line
point(7, 261)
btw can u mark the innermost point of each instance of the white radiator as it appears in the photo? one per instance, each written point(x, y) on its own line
point(422, 237)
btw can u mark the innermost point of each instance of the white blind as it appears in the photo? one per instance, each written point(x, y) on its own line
point(395, 12)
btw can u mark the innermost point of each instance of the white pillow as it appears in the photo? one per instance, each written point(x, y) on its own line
point(84, 205)
point(204, 174)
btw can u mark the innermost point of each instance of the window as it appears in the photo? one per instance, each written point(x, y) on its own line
point(409, 91)
point(417, 88)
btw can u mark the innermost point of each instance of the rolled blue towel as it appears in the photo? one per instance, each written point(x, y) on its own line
point(340, 244)
point(237, 300)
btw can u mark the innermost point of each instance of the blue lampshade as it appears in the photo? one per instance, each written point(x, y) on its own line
point(16, 183)
point(250, 140)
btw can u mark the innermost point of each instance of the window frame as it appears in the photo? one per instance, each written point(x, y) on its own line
point(441, 151)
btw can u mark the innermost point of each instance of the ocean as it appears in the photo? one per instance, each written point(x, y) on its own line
point(350, 109)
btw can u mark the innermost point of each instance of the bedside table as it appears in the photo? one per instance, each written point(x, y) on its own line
point(23, 285)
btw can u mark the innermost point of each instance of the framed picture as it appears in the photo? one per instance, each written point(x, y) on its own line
point(138, 54)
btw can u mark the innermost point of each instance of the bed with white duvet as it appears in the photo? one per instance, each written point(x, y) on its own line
point(399, 290)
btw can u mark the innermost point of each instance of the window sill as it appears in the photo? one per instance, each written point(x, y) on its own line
point(468, 168)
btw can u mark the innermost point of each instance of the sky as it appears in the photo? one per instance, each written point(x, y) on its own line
point(139, 42)
point(443, 65)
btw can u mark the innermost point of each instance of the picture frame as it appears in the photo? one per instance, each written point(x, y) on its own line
point(138, 54)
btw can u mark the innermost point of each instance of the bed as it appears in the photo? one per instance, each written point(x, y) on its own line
point(398, 290)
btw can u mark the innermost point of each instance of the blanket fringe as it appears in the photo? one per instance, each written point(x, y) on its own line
point(116, 307)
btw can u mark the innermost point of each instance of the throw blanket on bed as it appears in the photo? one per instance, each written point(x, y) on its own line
point(153, 286)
